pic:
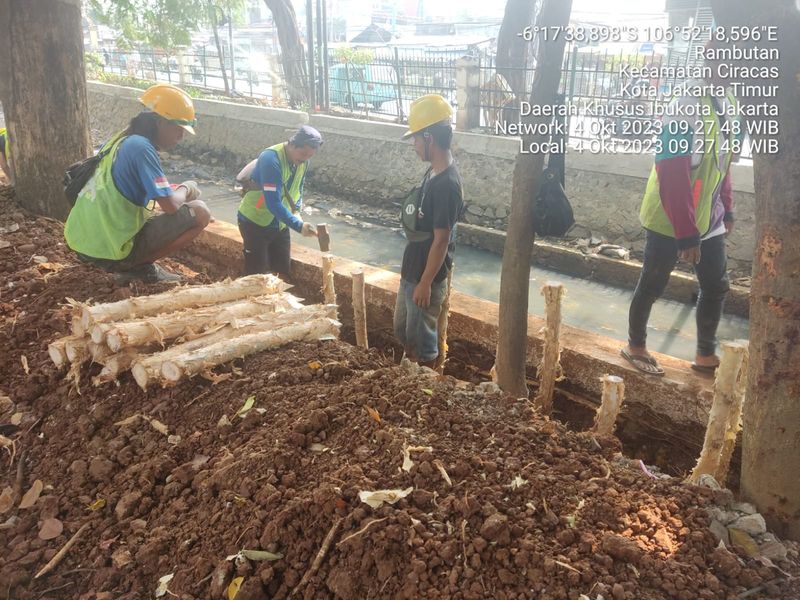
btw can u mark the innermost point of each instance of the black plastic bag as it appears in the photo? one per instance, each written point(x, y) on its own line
point(552, 212)
point(78, 174)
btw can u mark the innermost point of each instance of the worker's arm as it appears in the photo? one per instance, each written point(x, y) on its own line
point(726, 195)
point(436, 256)
point(170, 204)
point(268, 174)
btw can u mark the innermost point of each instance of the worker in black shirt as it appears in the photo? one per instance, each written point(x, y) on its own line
point(429, 220)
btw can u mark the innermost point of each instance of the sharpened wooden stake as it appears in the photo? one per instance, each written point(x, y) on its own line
point(613, 395)
point(726, 403)
point(359, 309)
point(550, 367)
point(324, 239)
point(734, 424)
point(441, 325)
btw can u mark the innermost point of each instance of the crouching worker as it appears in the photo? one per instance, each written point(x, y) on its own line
point(5, 156)
point(429, 220)
point(111, 224)
point(273, 185)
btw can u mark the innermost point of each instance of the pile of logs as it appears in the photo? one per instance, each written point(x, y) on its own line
point(166, 337)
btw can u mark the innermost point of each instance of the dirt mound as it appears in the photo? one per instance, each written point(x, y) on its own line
point(497, 501)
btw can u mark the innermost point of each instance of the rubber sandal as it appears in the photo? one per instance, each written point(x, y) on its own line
point(705, 369)
point(644, 364)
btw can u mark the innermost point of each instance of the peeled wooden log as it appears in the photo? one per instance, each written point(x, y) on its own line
point(192, 363)
point(724, 406)
point(186, 297)
point(77, 350)
point(441, 325)
point(613, 395)
point(169, 326)
point(328, 291)
point(98, 352)
point(77, 326)
point(550, 367)
point(116, 364)
point(734, 423)
point(58, 351)
point(359, 309)
point(147, 368)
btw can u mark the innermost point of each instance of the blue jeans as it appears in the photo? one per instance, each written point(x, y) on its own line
point(415, 327)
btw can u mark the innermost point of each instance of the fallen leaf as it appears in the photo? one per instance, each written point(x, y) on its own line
point(248, 404)
point(6, 442)
point(315, 365)
point(130, 420)
point(6, 500)
point(24, 360)
point(744, 541)
point(260, 555)
point(107, 543)
point(429, 392)
point(224, 421)
point(317, 447)
point(39, 259)
point(32, 495)
point(234, 586)
point(377, 498)
point(96, 505)
point(374, 413)
point(121, 557)
point(51, 266)
point(16, 418)
point(51, 528)
point(163, 582)
point(407, 462)
point(239, 500)
point(159, 426)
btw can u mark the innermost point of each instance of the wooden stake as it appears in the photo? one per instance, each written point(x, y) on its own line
point(77, 350)
point(327, 279)
point(613, 395)
point(359, 309)
point(187, 297)
point(441, 325)
point(550, 368)
point(61, 553)
point(58, 352)
point(734, 424)
point(722, 410)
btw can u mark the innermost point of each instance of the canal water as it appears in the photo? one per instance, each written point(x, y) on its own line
point(587, 305)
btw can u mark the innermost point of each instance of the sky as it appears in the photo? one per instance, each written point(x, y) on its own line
point(585, 9)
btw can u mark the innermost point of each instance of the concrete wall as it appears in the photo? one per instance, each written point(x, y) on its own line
point(367, 161)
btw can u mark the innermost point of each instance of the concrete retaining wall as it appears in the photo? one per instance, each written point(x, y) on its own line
point(367, 161)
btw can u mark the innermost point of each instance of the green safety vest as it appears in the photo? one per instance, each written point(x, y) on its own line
point(103, 222)
point(254, 205)
point(410, 210)
point(7, 145)
point(705, 179)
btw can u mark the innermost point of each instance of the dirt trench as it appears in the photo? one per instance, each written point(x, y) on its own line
point(502, 503)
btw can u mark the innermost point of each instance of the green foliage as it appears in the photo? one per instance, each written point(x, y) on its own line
point(354, 56)
point(94, 65)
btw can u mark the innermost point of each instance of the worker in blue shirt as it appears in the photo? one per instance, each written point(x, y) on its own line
point(273, 185)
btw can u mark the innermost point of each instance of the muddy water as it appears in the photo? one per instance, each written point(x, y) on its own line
point(588, 305)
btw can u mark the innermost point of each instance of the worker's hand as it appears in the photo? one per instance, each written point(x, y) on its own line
point(690, 255)
point(422, 294)
point(728, 228)
point(308, 230)
point(192, 191)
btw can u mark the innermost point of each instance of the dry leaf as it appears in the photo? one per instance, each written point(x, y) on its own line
point(96, 505)
point(39, 259)
point(51, 528)
point(375, 499)
point(315, 365)
point(224, 421)
point(163, 582)
point(317, 447)
point(248, 404)
point(429, 392)
point(374, 413)
point(121, 557)
point(130, 420)
point(260, 555)
point(159, 426)
point(32, 495)
point(24, 360)
point(6, 442)
point(107, 543)
point(407, 462)
point(744, 541)
point(6, 500)
point(234, 586)
point(16, 418)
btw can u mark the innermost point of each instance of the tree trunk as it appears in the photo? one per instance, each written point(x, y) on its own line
point(771, 429)
point(292, 52)
point(513, 51)
point(43, 91)
point(514, 281)
point(212, 10)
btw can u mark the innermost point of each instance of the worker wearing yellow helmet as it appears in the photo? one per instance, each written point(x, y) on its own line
point(112, 224)
point(429, 217)
point(5, 156)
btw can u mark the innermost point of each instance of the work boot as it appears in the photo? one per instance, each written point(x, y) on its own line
point(149, 273)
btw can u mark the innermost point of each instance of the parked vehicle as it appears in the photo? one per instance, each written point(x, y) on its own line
point(353, 85)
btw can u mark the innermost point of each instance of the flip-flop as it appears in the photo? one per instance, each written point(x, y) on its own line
point(706, 369)
point(645, 364)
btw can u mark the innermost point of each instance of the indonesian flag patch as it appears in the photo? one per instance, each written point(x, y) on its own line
point(270, 187)
point(162, 183)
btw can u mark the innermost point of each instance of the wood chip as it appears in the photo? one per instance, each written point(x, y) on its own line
point(32, 495)
point(51, 528)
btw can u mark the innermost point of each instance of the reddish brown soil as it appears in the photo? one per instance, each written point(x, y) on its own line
point(283, 476)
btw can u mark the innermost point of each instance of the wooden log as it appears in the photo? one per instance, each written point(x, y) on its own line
point(550, 367)
point(734, 423)
point(77, 326)
point(146, 369)
point(58, 351)
point(115, 364)
point(186, 297)
point(192, 363)
point(441, 325)
point(77, 350)
point(328, 291)
point(161, 328)
point(98, 352)
point(359, 309)
point(613, 394)
point(723, 408)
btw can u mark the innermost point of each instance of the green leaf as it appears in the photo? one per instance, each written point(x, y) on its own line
point(429, 392)
point(248, 404)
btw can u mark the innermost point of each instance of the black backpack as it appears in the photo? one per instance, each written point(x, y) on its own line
point(78, 174)
point(552, 212)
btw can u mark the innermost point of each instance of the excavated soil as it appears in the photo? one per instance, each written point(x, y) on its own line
point(502, 504)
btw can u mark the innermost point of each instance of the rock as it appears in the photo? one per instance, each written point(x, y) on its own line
point(751, 524)
point(709, 482)
point(488, 387)
point(723, 516)
point(720, 532)
point(773, 550)
point(621, 548)
point(101, 469)
point(127, 505)
point(743, 507)
point(494, 527)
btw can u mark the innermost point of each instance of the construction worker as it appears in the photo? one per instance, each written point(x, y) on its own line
point(429, 219)
point(5, 155)
point(111, 224)
point(273, 185)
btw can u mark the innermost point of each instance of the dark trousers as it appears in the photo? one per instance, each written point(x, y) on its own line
point(660, 256)
point(266, 249)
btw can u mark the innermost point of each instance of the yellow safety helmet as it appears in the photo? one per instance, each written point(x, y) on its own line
point(172, 103)
point(426, 111)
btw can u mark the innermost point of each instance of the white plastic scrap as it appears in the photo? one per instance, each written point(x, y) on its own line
point(163, 582)
point(407, 462)
point(377, 498)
